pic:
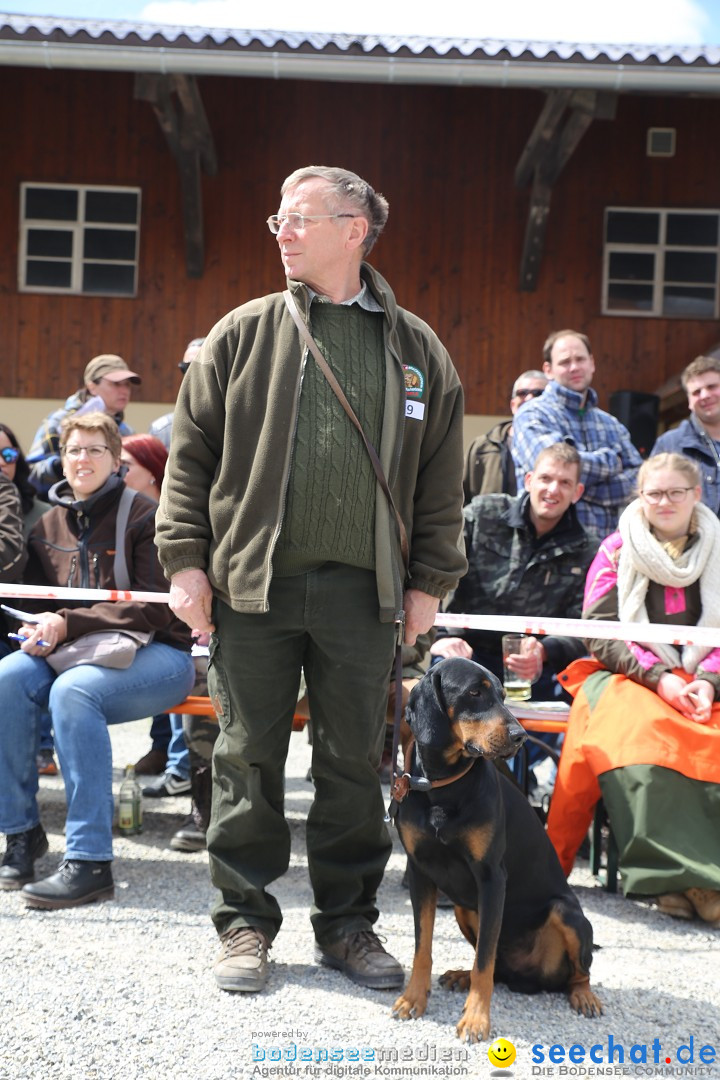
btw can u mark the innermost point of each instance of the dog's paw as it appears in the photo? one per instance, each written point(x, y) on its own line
point(474, 1024)
point(455, 979)
point(410, 1005)
point(584, 1001)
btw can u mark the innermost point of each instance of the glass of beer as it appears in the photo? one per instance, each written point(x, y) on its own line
point(516, 687)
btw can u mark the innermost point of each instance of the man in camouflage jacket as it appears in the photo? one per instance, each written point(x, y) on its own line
point(528, 555)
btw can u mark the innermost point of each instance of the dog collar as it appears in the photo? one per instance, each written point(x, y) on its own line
point(402, 785)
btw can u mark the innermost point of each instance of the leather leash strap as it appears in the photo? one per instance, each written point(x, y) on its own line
point(375, 461)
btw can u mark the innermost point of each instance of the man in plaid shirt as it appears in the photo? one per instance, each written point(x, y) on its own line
point(567, 411)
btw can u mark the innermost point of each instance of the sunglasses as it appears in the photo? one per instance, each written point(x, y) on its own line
point(9, 455)
point(528, 393)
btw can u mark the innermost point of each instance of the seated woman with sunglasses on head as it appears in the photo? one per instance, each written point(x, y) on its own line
point(644, 729)
point(79, 543)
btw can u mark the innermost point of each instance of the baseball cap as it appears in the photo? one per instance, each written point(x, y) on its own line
point(109, 366)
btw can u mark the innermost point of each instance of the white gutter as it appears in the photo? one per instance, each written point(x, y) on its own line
point(270, 64)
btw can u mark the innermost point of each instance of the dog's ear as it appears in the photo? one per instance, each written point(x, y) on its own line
point(427, 712)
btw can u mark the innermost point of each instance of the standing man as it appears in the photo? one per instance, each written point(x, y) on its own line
point(108, 388)
point(489, 465)
point(567, 411)
point(698, 437)
point(278, 539)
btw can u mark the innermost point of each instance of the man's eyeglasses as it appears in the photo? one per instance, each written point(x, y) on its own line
point(674, 495)
point(528, 393)
point(9, 455)
point(297, 221)
point(94, 452)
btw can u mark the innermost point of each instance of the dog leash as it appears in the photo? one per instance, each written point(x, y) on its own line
point(402, 785)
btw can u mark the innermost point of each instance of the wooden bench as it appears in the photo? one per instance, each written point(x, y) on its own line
point(196, 705)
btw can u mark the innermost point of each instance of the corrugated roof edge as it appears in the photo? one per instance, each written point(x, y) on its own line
point(47, 26)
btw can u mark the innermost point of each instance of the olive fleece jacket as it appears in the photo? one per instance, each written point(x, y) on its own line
point(233, 434)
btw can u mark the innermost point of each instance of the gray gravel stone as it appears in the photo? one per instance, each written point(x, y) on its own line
point(124, 989)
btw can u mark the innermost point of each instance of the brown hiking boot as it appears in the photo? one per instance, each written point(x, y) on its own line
point(707, 904)
point(242, 964)
point(362, 957)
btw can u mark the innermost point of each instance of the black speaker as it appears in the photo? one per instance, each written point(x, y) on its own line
point(638, 411)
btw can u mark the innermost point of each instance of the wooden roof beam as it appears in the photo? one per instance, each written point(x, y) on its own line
point(550, 146)
point(190, 140)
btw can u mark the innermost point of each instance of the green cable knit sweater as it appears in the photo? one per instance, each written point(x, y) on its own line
point(330, 498)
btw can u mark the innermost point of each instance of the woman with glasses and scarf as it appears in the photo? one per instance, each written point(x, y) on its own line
point(76, 544)
point(644, 729)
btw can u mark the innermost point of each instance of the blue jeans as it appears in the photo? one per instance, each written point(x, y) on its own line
point(82, 702)
point(178, 759)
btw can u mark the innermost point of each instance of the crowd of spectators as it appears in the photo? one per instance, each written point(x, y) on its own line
point(562, 518)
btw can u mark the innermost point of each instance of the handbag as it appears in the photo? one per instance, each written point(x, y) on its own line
point(106, 648)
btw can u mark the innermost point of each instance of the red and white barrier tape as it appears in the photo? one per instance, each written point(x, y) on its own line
point(669, 633)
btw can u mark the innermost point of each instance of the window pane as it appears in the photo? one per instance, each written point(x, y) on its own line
point(51, 204)
point(117, 206)
point(629, 266)
point(693, 230)
point(109, 244)
point(632, 227)
point(695, 266)
point(49, 274)
point(624, 297)
point(697, 303)
point(113, 280)
point(54, 242)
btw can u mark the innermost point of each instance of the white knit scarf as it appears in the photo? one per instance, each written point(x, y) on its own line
point(643, 559)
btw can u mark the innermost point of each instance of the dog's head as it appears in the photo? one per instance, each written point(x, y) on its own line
point(457, 711)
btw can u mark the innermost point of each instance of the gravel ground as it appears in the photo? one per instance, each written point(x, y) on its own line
point(124, 989)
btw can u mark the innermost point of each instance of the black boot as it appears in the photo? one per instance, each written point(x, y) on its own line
point(76, 882)
point(22, 849)
point(191, 834)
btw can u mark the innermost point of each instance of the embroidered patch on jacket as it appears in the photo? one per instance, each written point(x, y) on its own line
point(414, 381)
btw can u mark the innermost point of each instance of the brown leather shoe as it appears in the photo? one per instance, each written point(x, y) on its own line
point(362, 957)
point(707, 904)
point(676, 904)
point(152, 764)
point(242, 964)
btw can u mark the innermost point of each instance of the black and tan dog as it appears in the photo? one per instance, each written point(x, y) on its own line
point(473, 834)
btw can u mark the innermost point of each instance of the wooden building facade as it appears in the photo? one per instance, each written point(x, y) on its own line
point(461, 232)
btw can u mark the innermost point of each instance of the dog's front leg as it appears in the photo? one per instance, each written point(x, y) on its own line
point(423, 894)
point(475, 1021)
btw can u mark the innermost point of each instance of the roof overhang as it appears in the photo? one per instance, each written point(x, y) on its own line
point(57, 43)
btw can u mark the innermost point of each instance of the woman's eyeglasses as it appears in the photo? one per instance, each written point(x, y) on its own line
point(95, 452)
point(9, 455)
point(674, 495)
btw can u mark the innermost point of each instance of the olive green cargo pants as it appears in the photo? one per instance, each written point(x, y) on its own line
point(326, 623)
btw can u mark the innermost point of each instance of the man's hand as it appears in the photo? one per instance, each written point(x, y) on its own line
point(451, 646)
point(528, 664)
point(191, 600)
point(420, 612)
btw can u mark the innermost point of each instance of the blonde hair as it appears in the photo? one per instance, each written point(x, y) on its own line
point(92, 421)
point(676, 462)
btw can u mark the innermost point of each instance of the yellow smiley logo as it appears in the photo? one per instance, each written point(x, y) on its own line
point(501, 1053)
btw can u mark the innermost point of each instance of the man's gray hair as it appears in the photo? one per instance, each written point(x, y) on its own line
point(348, 191)
point(532, 374)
